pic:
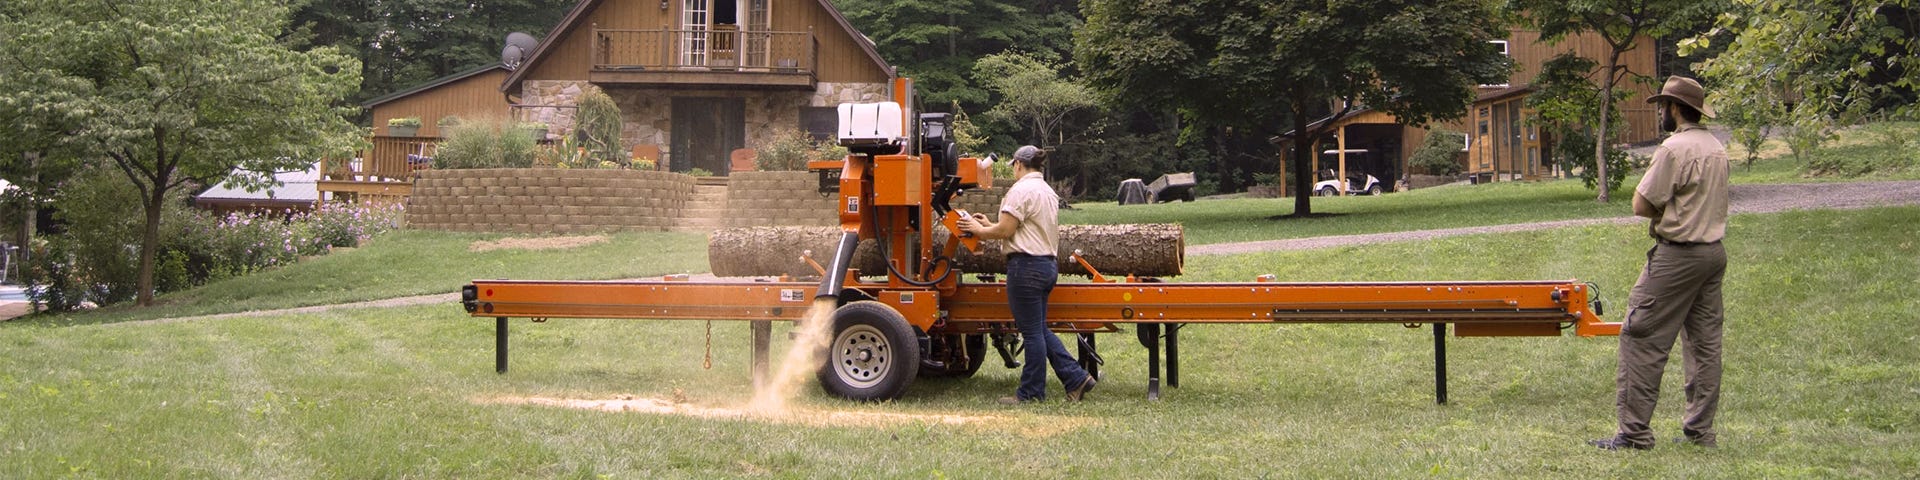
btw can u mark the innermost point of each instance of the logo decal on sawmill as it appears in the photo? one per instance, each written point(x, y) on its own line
point(853, 204)
point(791, 295)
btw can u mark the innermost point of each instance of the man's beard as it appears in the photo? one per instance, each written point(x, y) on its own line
point(1667, 123)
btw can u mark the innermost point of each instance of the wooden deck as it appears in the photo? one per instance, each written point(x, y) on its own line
point(381, 174)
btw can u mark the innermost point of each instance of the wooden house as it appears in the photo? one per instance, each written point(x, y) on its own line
point(384, 172)
point(697, 80)
point(1503, 140)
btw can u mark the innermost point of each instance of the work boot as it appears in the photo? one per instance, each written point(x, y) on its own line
point(1694, 438)
point(1617, 443)
point(1086, 386)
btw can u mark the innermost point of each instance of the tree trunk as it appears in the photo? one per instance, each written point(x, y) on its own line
point(1600, 131)
point(149, 243)
point(1117, 250)
point(1302, 148)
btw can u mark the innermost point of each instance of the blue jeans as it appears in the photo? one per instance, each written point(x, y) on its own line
point(1030, 281)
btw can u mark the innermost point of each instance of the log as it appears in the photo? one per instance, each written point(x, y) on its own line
point(1157, 250)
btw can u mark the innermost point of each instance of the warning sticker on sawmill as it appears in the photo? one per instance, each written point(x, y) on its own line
point(853, 204)
point(791, 295)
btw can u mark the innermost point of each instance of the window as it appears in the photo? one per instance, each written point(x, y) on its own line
point(820, 122)
point(1502, 47)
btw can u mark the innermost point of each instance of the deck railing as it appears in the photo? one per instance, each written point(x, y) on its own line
point(387, 161)
point(777, 52)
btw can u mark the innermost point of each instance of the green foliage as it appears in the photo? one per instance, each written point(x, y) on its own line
point(699, 172)
point(1031, 94)
point(599, 126)
point(1439, 154)
point(176, 92)
point(1574, 151)
point(937, 42)
point(1829, 60)
point(486, 143)
point(448, 122)
point(100, 216)
point(403, 122)
point(791, 150)
point(1247, 63)
point(1621, 24)
point(1887, 149)
point(1568, 104)
point(407, 42)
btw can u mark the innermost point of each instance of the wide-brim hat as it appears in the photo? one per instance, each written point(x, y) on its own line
point(1687, 92)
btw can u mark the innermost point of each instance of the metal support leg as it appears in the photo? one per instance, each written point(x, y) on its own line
point(1173, 354)
point(1150, 338)
point(1090, 354)
point(500, 345)
point(762, 335)
point(1440, 363)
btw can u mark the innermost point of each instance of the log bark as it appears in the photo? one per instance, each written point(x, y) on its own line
point(1157, 250)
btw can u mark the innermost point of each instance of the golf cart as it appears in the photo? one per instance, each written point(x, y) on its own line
point(1357, 183)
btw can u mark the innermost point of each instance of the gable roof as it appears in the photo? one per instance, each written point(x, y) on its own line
point(579, 15)
point(430, 84)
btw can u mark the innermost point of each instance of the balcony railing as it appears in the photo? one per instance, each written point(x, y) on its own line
point(388, 161)
point(721, 50)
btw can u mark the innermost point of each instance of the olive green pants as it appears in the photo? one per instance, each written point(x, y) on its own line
point(1678, 295)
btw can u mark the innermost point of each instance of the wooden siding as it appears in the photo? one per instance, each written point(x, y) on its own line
point(477, 96)
point(840, 60)
point(1529, 55)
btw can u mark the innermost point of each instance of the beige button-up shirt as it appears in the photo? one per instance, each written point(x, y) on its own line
point(1038, 208)
point(1687, 181)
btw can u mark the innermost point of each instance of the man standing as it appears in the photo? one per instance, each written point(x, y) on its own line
point(1030, 222)
point(1684, 193)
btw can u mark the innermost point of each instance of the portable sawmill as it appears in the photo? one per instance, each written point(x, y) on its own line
point(915, 298)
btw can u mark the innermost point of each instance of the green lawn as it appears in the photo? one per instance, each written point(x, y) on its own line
point(407, 263)
point(1822, 381)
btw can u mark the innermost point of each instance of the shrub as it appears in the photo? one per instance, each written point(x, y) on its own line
point(486, 143)
point(1439, 154)
point(404, 122)
point(599, 126)
point(792, 149)
point(95, 258)
point(699, 172)
point(1575, 151)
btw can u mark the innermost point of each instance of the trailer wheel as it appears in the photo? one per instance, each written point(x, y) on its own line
point(874, 353)
point(976, 348)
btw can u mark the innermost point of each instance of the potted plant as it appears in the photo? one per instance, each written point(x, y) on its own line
point(447, 123)
point(403, 126)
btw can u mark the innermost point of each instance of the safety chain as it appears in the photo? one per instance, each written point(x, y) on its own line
point(708, 363)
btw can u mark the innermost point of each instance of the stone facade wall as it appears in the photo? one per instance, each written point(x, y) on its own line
point(648, 113)
point(769, 199)
point(546, 200)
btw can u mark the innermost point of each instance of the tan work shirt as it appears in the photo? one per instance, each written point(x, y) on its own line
point(1038, 208)
point(1688, 183)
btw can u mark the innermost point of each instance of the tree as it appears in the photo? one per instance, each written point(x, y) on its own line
point(1242, 63)
point(176, 93)
point(1798, 65)
point(1031, 94)
point(937, 41)
point(1620, 24)
point(401, 43)
point(1568, 103)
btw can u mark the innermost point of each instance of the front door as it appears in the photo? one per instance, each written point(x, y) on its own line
point(706, 130)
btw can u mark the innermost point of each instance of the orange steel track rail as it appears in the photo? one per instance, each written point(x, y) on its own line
point(1523, 308)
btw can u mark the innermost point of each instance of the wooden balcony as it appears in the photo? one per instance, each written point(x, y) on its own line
point(382, 173)
point(718, 57)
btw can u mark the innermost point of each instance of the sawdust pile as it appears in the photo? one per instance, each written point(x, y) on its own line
point(537, 243)
point(1023, 426)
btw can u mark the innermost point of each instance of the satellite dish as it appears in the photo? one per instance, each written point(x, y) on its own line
point(519, 47)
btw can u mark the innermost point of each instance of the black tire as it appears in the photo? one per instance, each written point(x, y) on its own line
point(874, 354)
point(1373, 190)
point(976, 348)
point(1328, 192)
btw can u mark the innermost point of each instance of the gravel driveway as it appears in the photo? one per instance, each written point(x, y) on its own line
point(1745, 199)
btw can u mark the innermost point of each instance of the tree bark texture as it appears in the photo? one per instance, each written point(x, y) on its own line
point(1157, 250)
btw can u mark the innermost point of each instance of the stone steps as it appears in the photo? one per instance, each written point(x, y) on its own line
point(706, 209)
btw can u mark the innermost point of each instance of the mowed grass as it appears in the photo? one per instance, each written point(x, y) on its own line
point(1822, 381)
point(411, 262)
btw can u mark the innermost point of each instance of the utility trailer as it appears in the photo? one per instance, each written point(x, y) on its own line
point(922, 318)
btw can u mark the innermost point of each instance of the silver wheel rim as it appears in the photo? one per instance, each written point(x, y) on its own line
point(861, 356)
